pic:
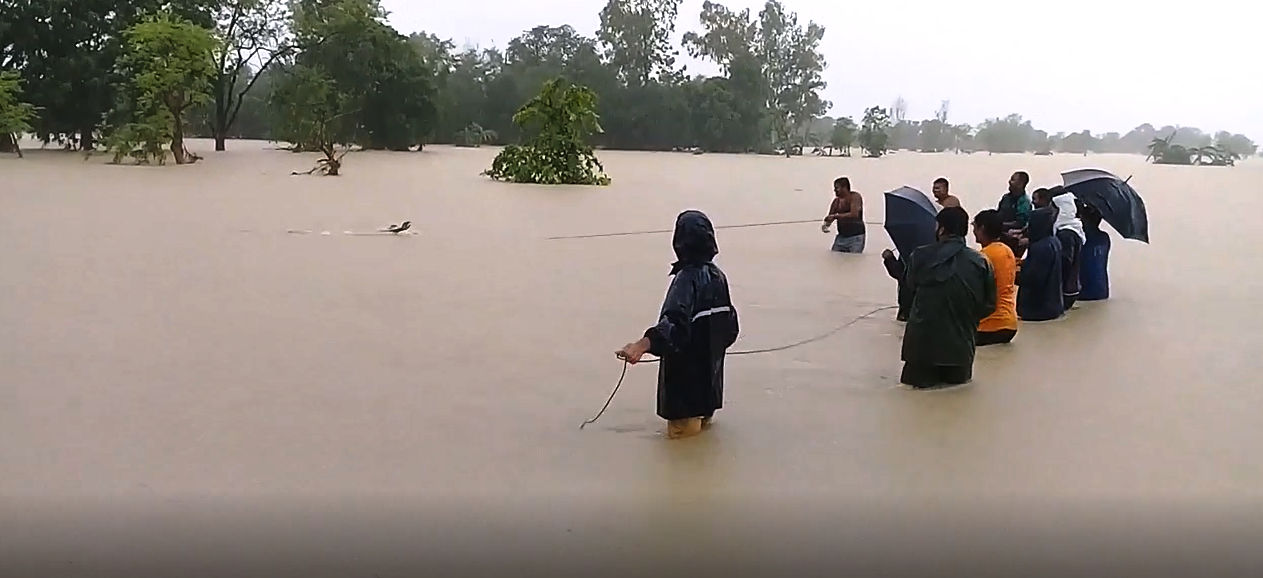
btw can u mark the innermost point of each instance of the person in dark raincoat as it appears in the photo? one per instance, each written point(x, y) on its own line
point(696, 326)
point(1039, 278)
point(953, 288)
point(896, 266)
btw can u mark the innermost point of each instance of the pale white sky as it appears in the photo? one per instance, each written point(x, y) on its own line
point(1104, 65)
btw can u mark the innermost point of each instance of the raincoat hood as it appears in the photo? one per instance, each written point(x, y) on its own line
point(936, 259)
point(693, 241)
point(1041, 224)
point(1066, 218)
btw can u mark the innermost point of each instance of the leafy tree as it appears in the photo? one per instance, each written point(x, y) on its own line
point(315, 115)
point(250, 31)
point(15, 115)
point(561, 116)
point(637, 39)
point(68, 51)
point(382, 83)
point(874, 134)
point(843, 135)
point(936, 133)
point(785, 55)
point(1010, 134)
point(474, 135)
point(1078, 143)
point(169, 63)
point(1237, 144)
point(793, 67)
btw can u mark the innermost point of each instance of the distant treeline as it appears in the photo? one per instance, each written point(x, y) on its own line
point(336, 71)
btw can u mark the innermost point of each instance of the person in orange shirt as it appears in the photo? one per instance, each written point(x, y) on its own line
point(1001, 325)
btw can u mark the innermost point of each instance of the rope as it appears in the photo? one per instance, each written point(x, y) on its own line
point(824, 335)
point(660, 231)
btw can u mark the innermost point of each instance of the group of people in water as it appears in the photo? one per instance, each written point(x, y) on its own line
point(1039, 254)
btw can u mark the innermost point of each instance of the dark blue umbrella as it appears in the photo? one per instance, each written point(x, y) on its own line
point(1118, 202)
point(910, 219)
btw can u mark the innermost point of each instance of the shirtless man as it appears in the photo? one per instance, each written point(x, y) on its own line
point(941, 194)
point(847, 209)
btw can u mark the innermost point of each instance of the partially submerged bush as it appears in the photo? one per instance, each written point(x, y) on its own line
point(557, 154)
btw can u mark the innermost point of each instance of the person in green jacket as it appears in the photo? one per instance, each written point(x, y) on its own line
point(1015, 210)
point(953, 288)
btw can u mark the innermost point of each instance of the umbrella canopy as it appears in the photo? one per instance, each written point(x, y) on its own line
point(910, 219)
point(1118, 202)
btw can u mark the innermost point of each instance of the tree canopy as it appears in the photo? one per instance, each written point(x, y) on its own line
point(281, 68)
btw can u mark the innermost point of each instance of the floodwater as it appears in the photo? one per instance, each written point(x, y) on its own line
point(180, 375)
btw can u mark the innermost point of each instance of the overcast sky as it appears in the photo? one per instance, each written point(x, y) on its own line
point(1104, 65)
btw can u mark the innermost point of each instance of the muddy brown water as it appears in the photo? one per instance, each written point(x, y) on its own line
point(179, 372)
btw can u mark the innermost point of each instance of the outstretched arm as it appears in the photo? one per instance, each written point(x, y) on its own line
point(672, 332)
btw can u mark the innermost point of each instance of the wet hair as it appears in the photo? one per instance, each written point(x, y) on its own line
point(943, 181)
point(990, 222)
point(843, 181)
point(953, 220)
point(1023, 177)
point(1041, 193)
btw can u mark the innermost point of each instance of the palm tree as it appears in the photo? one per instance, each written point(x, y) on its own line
point(1158, 148)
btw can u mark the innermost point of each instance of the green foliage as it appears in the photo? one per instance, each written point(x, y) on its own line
point(637, 39)
point(311, 111)
point(143, 141)
point(1011, 134)
point(15, 115)
point(474, 136)
point(874, 134)
point(251, 31)
point(560, 117)
point(350, 64)
point(67, 52)
point(766, 96)
point(784, 56)
point(843, 135)
point(167, 61)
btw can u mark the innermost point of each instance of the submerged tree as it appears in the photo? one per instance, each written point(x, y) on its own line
point(874, 134)
point(252, 33)
point(843, 135)
point(1163, 152)
point(560, 117)
point(15, 115)
point(168, 62)
point(474, 136)
point(315, 115)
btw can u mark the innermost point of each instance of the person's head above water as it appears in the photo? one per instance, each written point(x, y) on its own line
point(1041, 198)
point(952, 222)
point(693, 241)
point(1091, 216)
point(841, 186)
point(941, 187)
point(1041, 224)
point(1018, 182)
point(988, 227)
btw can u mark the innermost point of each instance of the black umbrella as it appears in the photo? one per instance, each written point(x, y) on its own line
point(1118, 202)
point(910, 219)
